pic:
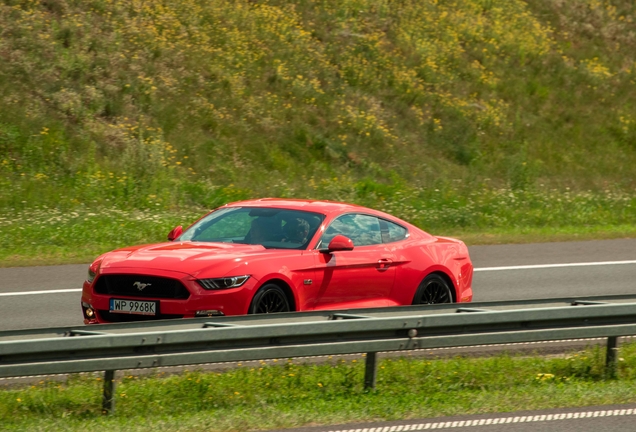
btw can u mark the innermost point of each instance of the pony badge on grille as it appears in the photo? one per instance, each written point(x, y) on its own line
point(140, 285)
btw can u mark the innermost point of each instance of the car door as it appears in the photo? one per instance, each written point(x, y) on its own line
point(361, 275)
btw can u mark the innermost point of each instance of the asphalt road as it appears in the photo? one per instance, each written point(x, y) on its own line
point(33, 297)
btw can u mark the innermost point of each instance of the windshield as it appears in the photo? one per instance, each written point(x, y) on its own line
point(273, 228)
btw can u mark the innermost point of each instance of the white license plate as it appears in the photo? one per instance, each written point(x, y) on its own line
point(133, 307)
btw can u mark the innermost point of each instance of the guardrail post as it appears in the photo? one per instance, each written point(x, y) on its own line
point(108, 399)
point(611, 357)
point(370, 371)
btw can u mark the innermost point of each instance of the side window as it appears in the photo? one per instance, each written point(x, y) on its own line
point(392, 232)
point(364, 230)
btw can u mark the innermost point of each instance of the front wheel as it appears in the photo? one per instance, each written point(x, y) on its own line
point(269, 299)
point(433, 289)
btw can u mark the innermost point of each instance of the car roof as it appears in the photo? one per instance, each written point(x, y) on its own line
point(318, 206)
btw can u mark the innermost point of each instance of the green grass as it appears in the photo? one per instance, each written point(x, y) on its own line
point(118, 121)
point(43, 235)
point(50, 236)
point(183, 104)
point(269, 396)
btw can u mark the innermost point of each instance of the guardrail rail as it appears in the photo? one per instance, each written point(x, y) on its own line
point(111, 347)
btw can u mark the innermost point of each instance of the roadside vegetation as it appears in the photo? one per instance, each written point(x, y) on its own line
point(471, 118)
point(43, 235)
point(285, 393)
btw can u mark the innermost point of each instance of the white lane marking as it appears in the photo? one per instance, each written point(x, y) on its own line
point(542, 266)
point(523, 267)
point(500, 420)
point(61, 291)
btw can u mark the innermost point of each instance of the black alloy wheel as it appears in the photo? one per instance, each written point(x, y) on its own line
point(433, 290)
point(270, 299)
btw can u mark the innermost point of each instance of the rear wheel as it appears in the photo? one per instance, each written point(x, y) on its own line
point(433, 289)
point(269, 299)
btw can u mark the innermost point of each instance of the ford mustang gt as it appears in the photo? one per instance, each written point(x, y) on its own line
point(278, 255)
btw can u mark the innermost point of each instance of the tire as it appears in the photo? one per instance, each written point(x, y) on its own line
point(433, 290)
point(270, 299)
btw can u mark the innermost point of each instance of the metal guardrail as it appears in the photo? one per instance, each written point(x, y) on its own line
point(114, 347)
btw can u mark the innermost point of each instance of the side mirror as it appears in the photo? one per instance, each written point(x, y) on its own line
point(340, 243)
point(175, 233)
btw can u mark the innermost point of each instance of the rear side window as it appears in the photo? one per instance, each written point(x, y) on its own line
point(392, 232)
point(364, 230)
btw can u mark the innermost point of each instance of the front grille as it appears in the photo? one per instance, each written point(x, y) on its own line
point(141, 286)
point(117, 317)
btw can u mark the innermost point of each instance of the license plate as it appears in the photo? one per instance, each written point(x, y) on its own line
point(133, 307)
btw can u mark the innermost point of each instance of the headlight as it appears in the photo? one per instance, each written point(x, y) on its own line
point(223, 283)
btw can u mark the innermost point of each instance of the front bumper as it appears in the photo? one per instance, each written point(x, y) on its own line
point(200, 302)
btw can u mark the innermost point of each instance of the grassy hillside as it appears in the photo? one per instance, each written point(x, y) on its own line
point(456, 115)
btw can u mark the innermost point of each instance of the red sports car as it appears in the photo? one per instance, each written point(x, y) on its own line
point(278, 255)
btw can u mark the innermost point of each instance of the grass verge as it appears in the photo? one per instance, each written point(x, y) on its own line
point(43, 235)
point(293, 394)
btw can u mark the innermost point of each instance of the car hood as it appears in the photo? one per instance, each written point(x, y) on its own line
point(185, 257)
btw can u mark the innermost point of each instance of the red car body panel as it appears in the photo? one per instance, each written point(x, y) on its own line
point(377, 275)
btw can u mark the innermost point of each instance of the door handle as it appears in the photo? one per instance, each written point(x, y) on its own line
point(384, 264)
